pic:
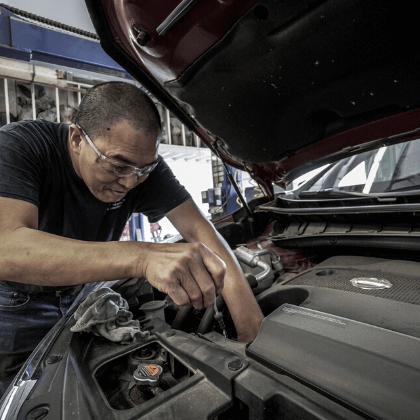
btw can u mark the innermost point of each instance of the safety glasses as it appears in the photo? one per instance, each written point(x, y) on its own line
point(116, 167)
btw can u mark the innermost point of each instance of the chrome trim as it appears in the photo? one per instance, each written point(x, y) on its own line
point(367, 283)
point(13, 401)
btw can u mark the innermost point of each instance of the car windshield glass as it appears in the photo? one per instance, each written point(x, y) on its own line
point(386, 169)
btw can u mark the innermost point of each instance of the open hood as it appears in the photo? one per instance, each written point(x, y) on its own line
point(274, 85)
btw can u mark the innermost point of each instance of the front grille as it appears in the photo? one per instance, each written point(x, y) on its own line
point(404, 289)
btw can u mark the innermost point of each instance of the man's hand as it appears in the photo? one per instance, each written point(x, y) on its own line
point(188, 273)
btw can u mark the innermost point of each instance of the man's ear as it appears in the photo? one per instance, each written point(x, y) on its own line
point(75, 139)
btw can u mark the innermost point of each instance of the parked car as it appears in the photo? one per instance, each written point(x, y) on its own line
point(279, 89)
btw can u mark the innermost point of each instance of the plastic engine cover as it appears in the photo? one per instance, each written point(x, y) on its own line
point(375, 370)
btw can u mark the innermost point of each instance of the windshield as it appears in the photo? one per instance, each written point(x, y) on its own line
point(386, 169)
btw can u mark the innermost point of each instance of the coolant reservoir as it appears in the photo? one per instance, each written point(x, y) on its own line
point(155, 309)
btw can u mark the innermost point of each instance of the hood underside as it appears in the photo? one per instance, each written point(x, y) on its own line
point(275, 83)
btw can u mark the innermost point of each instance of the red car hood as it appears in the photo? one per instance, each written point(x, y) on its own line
point(276, 86)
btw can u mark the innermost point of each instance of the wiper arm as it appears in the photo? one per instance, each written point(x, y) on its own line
point(333, 192)
point(337, 193)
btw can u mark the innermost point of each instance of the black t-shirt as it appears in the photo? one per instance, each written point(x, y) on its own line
point(35, 166)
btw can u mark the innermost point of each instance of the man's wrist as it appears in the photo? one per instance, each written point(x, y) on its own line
point(137, 256)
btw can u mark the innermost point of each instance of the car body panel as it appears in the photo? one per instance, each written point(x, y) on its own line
point(272, 82)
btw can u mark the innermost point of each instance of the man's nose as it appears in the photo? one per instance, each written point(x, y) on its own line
point(131, 181)
point(128, 181)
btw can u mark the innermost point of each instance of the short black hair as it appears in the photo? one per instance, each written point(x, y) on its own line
point(106, 103)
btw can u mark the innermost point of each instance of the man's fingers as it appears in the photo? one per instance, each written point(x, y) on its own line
point(205, 283)
point(193, 290)
point(208, 271)
point(179, 295)
point(183, 289)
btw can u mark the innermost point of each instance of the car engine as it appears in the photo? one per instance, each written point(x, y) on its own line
point(340, 340)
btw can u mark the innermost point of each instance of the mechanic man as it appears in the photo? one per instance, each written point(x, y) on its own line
point(66, 193)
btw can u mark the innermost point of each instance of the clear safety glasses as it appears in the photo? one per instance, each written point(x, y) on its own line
point(115, 166)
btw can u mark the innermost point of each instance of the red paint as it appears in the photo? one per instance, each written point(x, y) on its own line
point(185, 42)
point(190, 38)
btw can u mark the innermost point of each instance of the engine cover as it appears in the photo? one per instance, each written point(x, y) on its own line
point(365, 366)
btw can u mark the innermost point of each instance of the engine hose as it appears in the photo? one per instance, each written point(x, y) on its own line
point(182, 317)
point(206, 323)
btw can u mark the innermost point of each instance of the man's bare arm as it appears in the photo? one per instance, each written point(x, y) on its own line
point(28, 255)
point(194, 227)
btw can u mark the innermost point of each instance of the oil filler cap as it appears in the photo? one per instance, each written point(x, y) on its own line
point(148, 374)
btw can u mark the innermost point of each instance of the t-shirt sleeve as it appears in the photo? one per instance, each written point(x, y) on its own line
point(20, 165)
point(163, 192)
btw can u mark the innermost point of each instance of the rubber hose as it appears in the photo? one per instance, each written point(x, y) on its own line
point(206, 323)
point(181, 318)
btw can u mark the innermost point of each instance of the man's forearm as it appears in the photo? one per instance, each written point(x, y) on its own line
point(244, 309)
point(31, 256)
point(188, 273)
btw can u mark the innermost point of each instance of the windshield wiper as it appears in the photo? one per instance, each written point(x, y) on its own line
point(337, 193)
point(333, 192)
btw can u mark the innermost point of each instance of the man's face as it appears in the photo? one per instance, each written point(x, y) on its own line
point(122, 143)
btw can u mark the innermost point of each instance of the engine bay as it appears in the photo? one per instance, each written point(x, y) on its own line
point(340, 340)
